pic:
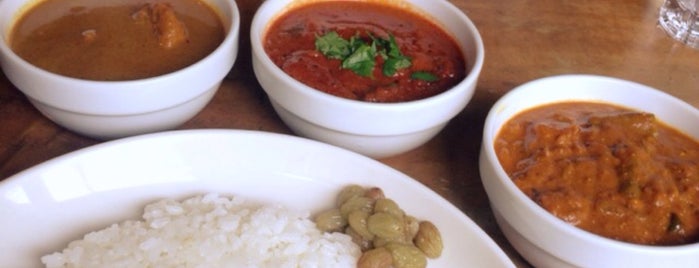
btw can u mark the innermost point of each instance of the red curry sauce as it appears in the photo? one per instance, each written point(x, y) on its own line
point(289, 42)
point(606, 169)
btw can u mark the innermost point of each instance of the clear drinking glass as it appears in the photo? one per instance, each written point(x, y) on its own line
point(679, 19)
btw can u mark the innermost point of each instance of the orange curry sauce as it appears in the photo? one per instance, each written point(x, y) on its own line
point(290, 43)
point(606, 169)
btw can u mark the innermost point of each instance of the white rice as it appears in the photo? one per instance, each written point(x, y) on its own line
point(210, 231)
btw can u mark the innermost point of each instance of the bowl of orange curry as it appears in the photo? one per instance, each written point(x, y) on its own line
point(109, 69)
point(590, 171)
point(377, 77)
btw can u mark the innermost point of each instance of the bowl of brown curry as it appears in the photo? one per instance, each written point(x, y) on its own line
point(591, 171)
point(109, 69)
point(376, 77)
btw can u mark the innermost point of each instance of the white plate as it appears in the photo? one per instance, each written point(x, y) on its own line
point(44, 207)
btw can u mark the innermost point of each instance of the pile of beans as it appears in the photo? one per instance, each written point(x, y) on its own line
point(387, 235)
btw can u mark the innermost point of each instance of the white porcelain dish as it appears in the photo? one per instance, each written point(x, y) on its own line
point(114, 109)
point(53, 203)
point(377, 130)
point(543, 239)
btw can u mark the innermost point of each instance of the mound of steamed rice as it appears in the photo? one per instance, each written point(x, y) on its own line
point(210, 231)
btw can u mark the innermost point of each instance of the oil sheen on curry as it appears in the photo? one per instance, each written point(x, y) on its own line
point(365, 50)
point(116, 39)
point(612, 171)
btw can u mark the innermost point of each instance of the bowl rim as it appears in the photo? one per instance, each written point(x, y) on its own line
point(488, 157)
point(127, 89)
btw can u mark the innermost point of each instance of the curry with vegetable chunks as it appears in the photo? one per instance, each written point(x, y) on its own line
point(365, 50)
point(116, 39)
point(610, 170)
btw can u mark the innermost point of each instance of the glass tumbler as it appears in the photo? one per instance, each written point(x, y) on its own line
point(679, 19)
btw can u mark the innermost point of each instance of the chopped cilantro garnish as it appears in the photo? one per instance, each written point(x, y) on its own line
point(393, 64)
point(392, 47)
point(333, 46)
point(360, 56)
point(361, 60)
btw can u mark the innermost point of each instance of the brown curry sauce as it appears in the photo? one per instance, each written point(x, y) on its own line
point(289, 41)
point(606, 169)
point(116, 39)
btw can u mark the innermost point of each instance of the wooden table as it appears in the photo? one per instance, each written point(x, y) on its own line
point(524, 40)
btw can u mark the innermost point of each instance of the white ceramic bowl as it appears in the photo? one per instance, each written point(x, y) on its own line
point(543, 239)
point(373, 129)
point(108, 110)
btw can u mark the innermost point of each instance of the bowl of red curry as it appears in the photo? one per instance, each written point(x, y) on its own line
point(109, 69)
point(376, 77)
point(590, 171)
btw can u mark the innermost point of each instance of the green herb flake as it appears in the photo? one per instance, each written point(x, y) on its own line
point(395, 60)
point(333, 46)
point(393, 64)
point(392, 46)
point(425, 76)
point(362, 60)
